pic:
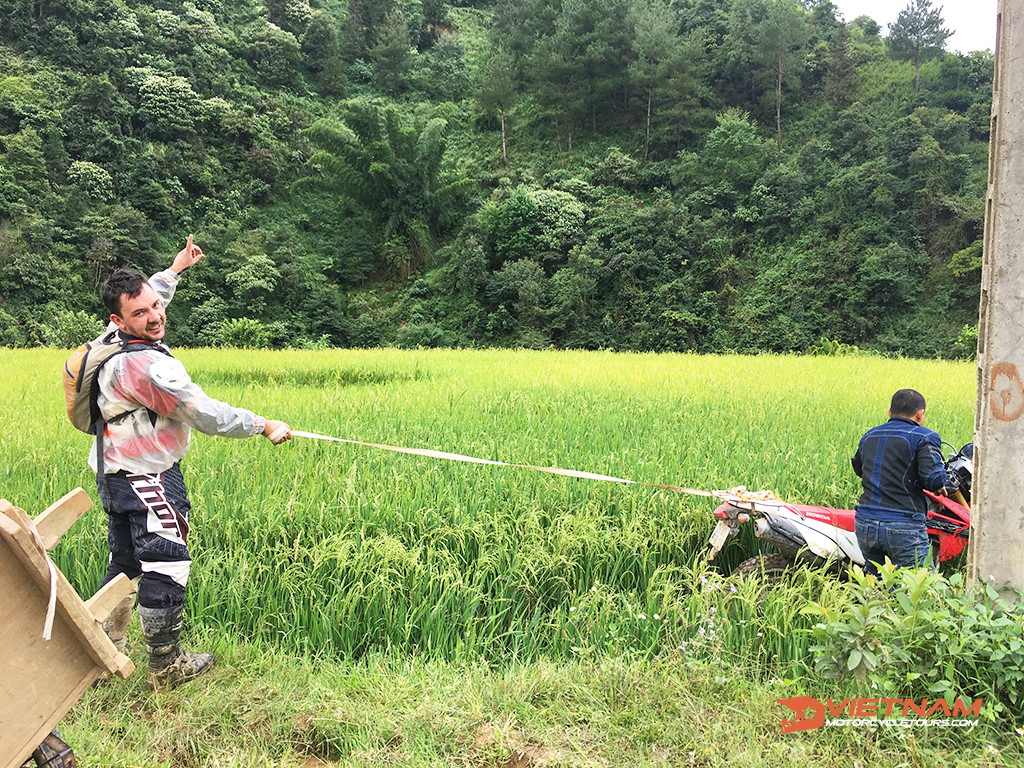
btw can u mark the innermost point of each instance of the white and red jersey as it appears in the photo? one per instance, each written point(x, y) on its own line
point(151, 405)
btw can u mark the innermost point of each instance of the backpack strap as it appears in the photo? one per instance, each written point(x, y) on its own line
point(127, 345)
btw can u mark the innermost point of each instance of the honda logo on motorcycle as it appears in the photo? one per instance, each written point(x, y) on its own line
point(878, 713)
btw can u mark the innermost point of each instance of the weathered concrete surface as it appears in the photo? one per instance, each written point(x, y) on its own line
point(997, 536)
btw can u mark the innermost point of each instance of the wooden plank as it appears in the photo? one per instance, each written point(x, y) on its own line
point(109, 595)
point(64, 706)
point(55, 521)
point(40, 679)
point(69, 604)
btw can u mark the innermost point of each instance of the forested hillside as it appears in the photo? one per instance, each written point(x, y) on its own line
point(631, 174)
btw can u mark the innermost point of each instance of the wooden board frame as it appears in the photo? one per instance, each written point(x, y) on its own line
point(40, 680)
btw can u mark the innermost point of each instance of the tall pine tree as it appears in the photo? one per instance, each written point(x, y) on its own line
point(917, 35)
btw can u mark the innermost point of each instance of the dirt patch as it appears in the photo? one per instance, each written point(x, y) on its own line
point(530, 756)
point(505, 745)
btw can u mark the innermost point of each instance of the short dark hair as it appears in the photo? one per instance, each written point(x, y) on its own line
point(124, 282)
point(907, 402)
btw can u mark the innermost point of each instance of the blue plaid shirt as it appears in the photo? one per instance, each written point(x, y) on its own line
point(895, 461)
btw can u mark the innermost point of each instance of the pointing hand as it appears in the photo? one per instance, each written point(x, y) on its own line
point(187, 256)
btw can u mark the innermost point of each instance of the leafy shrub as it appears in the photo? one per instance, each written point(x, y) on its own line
point(912, 629)
point(274, 53)
point(832, 348)
point(364, 331)
point(320, 343)
point(561, 218)
point(511, 230)
point(93, 180)
point(521, 285)
point(243, 333)
point(889, 279)
point(203, 325)
point(618, 169)
point(423, 335)
point(68, 329)
point(165, 103)
point(11, 333)
point(967, 341)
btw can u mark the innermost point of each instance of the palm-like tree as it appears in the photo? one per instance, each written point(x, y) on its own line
point(395, 169)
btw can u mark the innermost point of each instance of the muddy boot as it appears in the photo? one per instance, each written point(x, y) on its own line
point(169, 664)
point(116, 628)
point(116, 625)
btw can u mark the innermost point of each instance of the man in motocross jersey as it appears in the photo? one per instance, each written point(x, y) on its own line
point(150, 405)
point(894, 462)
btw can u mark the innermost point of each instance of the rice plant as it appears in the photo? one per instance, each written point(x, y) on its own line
point(340, 550)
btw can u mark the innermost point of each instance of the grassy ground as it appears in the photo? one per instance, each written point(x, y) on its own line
point(261, 708)
point(372, 608)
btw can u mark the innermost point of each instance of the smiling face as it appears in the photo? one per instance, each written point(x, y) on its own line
point(142, 316)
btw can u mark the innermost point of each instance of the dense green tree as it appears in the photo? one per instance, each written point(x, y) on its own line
point(520, 26)
point(392, 54)
point(561, 218)
point(520, 288)
point(497, 90)
point(779, 36)
point(867, 27)
point(572, 291)
point(21, 101)
point(292, 15)
point(824, 18)
point(440, 73)
point(98, 121)
point(323, 53)
point(91, 180)
point(124, 126)
point(23, 181)
point(395, 169)
point(166, 105)
point(729, 164)
point(581, 66)
point(760, 55)
point(275, 54)
point(356, 45)
point(659, 57)
point(254, 276)
point(511, 228)
point(843, 77)
point(917, 35)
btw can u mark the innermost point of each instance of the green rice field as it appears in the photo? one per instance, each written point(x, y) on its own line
point(347, 549)
point(338, 554)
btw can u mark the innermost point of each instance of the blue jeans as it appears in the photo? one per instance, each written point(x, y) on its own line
point(905, 543)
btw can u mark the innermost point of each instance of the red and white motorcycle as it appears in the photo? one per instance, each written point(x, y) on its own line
point(824, 537)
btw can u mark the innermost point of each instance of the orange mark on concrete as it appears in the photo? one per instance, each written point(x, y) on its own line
point(1007, 392)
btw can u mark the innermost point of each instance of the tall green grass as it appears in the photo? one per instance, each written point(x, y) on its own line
point(339, 550)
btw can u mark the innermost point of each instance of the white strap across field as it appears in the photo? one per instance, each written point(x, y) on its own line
point(739, 493)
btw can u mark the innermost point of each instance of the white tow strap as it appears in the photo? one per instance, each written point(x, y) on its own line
point(739, 493)
point(51, 604)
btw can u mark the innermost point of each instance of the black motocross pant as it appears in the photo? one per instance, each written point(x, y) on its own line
point(147, 530)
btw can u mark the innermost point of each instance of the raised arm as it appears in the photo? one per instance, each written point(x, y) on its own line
point(166, 282)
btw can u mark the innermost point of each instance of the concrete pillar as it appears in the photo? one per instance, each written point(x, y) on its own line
point(997, 535)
